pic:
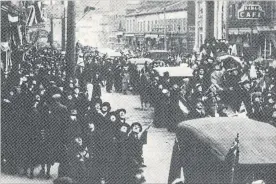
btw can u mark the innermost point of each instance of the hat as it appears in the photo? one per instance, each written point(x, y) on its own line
point(197, 85)
point(246, 81)
point(165, 91)
point(136, 123)
point(56, 96)
point(73, 112)
point(119, 110)
point(126, 125)
point(107, 104)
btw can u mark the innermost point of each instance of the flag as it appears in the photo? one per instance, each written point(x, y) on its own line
point(31, 16)
point(38, 11)
point(88, 8)
point(35, 14)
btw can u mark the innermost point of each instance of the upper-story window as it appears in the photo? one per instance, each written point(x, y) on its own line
point(232, 11)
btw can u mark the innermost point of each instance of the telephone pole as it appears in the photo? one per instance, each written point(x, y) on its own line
point(63, 27)
point(52, 27)
point(165, 30)
point(71, 45)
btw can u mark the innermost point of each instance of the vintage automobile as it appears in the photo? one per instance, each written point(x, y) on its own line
point(158, 54)
point(224, 150)
point(175, 71)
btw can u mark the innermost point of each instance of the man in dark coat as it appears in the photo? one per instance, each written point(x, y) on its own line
point(107, 144)
point(109, 79)
point(58, 119)
point(90, 140)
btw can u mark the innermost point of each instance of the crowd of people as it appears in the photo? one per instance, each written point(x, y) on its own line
point(222, 85)
point(47, 120)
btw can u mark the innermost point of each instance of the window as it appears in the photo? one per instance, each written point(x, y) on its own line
point(127, 25)
point(232, 11)
point(144, 26)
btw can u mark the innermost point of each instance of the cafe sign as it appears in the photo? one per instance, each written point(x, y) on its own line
point(251, 11)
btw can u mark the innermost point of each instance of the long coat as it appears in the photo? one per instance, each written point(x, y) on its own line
point(125, 81)
point(58, 119)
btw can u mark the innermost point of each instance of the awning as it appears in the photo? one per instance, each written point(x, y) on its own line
point(119, 34)
point(153, 36)
point(181, 71)
point(266, 28)
point(129, 35)
point(237, 31)
point(112, 36)
point(139, 35)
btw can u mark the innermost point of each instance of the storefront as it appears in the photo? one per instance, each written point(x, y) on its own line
point(151, 40)
point(13, 32)
point(140, 41)
point(251, 28)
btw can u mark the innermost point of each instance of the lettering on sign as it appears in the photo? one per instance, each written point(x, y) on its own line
point(251, 12)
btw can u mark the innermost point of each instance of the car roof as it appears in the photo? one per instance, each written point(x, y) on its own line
point(175, 71)
point(257, 140)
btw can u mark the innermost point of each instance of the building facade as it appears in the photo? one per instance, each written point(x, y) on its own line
point(162, 27)
point(251, 25)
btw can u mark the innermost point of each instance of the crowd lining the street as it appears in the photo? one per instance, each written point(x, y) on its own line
point(46, 119)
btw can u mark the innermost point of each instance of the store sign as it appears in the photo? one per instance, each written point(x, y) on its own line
point(251, 11)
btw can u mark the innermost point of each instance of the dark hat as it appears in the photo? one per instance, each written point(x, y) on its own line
point(76, 87)
point(137, 123)
point(107, 104)
point(126, 125)
point(201, 67)
point(119, 110)
point(73, 112)
point(113, 114)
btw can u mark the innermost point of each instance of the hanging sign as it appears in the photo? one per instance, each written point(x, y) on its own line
point(251, 11)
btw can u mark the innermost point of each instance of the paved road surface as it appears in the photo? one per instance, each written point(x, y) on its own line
point(157, 153)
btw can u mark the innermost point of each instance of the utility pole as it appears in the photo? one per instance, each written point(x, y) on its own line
point(226, 19)
point(52, 27)
point(165, 30)
point(63, 27)
point(71, 45)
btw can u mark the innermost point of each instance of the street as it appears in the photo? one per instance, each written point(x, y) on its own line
point(77, 76)
point(157, 152)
